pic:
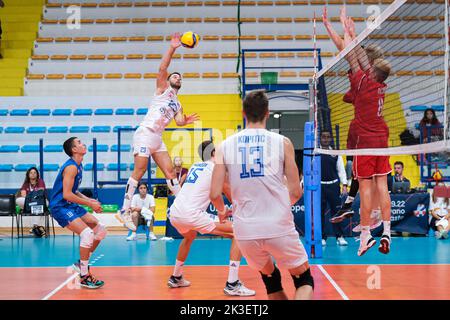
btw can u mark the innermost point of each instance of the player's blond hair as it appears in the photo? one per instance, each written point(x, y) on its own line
point(382, 68)
point(374, 52)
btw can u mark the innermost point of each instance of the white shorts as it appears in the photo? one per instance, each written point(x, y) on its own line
point(443, 223)
point(287, 251)
point(146, 142)
point(199, 221)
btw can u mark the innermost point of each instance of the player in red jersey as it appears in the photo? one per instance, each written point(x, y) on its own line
point(368, 87)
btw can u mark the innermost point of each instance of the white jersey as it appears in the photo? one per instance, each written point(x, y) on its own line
point(162, 110)
point(194, 195)
point(254, 159)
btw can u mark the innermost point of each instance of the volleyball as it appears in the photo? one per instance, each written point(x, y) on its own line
point(189, 39)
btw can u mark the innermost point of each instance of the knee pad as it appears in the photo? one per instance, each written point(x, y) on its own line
point(100, 232)
point(273, 281)
point(86, 238)
point(305, 279)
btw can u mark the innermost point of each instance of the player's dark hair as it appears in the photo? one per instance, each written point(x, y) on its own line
point(142, 184)
point(400, 163)
point(173, 74)
point(206, 150)
point(256, 106)
point(68, 145)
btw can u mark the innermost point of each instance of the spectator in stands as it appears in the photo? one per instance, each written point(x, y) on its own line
point(398, 172)
point(2, 4)
point(180, 171)
point(31, 183)
point(143, 205)
point(333, 171)
point(429, 119)
point(440, 212)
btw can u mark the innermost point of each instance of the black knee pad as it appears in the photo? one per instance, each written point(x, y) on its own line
point(305, 279)
point(273, 281)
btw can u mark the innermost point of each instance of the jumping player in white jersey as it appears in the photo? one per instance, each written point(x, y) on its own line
point(264, 182)
point(188, 215)
point(147, 140)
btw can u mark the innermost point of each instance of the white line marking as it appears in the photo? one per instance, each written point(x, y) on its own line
point(335, 285)
point(60, 286)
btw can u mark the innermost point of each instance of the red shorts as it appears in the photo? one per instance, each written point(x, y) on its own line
point(370, 166)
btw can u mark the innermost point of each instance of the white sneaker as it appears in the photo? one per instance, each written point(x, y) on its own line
point(324, 242)
point(153, 237)
point(437, 234)
point(133, 237)
point(365, 245)
point(444, 234)
point(238, 290)
point(341, 241)
point(124, 217)
point(177, 282)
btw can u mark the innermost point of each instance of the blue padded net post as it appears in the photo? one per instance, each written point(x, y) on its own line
point(312, 176)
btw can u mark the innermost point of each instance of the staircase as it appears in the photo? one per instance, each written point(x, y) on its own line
point(20, 22)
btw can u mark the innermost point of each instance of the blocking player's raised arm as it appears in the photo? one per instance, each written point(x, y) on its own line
point(351, 56)
point(161, 80)
point(360, 53)
point(335, 37)
point(291, 172)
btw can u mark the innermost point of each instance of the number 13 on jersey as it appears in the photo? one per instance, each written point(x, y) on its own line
point(257, 167)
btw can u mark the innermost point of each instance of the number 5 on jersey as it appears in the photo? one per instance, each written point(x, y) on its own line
point(257, 167)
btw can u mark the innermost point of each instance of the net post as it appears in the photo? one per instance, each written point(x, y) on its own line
point(94, 144)
point(311, 169)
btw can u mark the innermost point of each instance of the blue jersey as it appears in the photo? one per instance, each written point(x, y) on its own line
point(57, 199)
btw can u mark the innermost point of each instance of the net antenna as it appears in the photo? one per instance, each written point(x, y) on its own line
point(413, 38)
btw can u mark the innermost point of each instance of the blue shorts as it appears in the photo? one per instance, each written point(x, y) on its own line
point(65, 215)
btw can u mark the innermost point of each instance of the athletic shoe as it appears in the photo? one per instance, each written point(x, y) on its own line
point(133, 237)
point(76, 266)
point(178, 282)
point(89, 281)
point(385, 244)
point(341, 241)
point(124, 216)
point(345, 212)
point(238, 289)
point(445, 234)
point(438, 235)
point(365, 245)
point(375, 225)
point(324, 242)
point(153, 237)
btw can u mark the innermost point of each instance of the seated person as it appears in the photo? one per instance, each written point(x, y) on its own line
point(31, 183)
point(430, 127)
point(180, 171)
point(398, 175)
point(143, 205)
point(440, 212)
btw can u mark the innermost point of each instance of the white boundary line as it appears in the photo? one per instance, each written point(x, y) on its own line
point(335, 285)
point(373, 26)
point(62, 285)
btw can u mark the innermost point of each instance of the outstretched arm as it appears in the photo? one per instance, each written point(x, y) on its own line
point(351, 56)
point(360, 53)
point(335, 37)
point(161, 81)
point(183, 120)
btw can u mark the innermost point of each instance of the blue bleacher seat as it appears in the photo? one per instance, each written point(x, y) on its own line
point(10, 148)
point(421, 108)
point(1, 129)
point(124, 112)
point(116, 128)
point(82, 112)
point(59, 129)
point(131, 166)
point(36, 129)
point(30, 148)
point(6, 167)
point(90, 166)
point(142, 111)
point(19, 112)
point(53, 148)
point(438, 107)
point(61, 112)
point(51, 167)
point(417, 126)
point(23, 167)
point(123, 148)
point(100, 148)
point(101, 129)
point(3, 112)
point(79, 129)
point(103, 112)
point(14, 130)
point(40, 112)
point(114, 166)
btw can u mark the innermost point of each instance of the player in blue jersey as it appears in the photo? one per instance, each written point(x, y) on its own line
point(65, 208)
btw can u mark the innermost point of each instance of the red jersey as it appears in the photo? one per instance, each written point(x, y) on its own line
point(368, 101)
